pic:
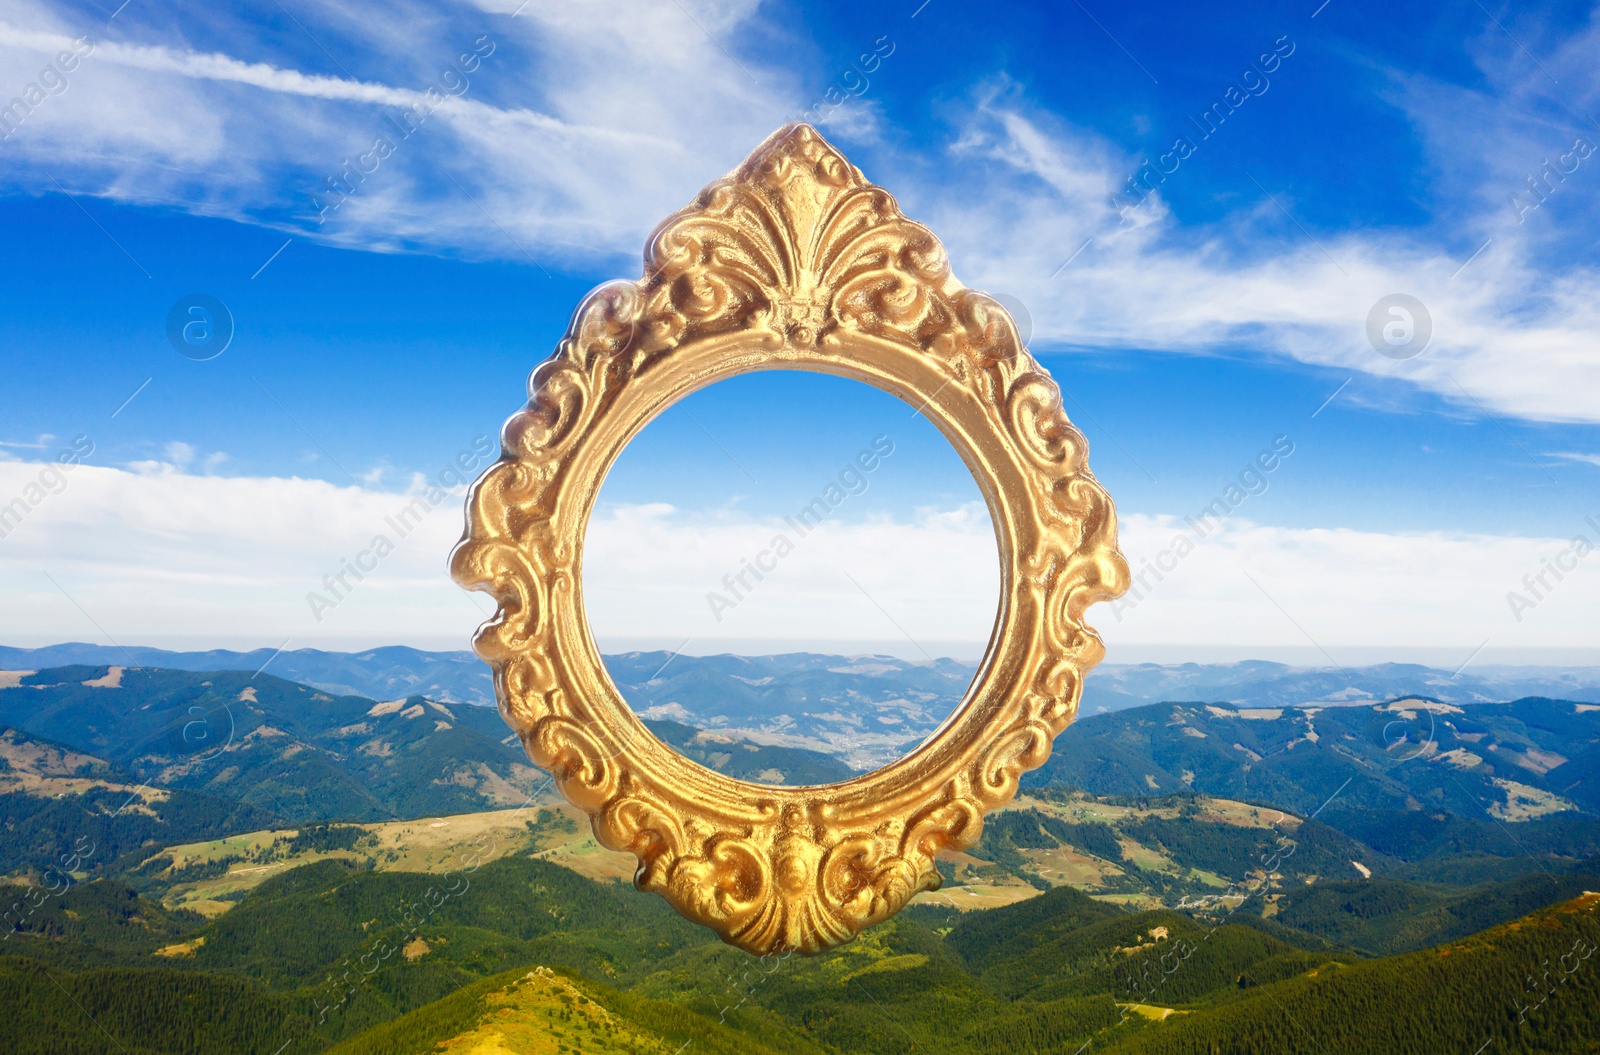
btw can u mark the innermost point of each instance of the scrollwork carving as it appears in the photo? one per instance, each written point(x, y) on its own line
point(793, 260)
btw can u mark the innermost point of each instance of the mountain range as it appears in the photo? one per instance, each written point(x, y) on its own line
point(1493, 786)
point(119, 757)
point(221, 861)
point(866, 710)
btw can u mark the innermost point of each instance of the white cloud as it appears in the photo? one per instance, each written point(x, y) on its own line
point(173, 557)
point(218, 561)
point(1513, 332)
point(588, 124)
point(1350, 588)
point(652, 572)
point(617, 111)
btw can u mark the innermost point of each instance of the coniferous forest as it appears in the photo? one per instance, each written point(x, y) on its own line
point(402, 900)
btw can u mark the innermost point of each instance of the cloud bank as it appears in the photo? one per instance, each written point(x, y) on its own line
point(167, 557)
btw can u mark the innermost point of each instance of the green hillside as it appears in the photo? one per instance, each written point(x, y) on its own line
point(1528, 986)
point(522, 955)
point(275, 745)
point(1061, 972)
point(1413, 779)
point(1146, 913)
point(62, 810)
point(1385, 916)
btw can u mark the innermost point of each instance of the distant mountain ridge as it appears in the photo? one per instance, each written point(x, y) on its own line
point(387, 673)
point(172, 755)
point(1447, 793)
point(864, 709)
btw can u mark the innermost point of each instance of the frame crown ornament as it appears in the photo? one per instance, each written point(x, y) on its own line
point(794, 260)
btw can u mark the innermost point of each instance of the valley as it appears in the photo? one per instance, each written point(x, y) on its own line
point(1175, 874)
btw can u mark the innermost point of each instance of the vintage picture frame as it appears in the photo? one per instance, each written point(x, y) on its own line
point(792, 261)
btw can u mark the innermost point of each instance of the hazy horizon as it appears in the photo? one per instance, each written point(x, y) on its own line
point(1308, 658)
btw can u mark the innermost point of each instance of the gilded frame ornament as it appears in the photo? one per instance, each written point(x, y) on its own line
point(793, 260)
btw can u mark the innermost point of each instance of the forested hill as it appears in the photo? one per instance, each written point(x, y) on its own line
point(520, 955)
point(274, 745)
point(1391, 873)
point(122, 757)
point(1506, 762)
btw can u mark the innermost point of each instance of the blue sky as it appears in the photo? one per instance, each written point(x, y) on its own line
point(1379, 155)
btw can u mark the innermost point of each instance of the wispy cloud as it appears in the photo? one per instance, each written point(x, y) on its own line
point(587, 125)
point(1575, 456)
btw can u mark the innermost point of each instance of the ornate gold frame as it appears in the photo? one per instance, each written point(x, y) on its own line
point(793, 260)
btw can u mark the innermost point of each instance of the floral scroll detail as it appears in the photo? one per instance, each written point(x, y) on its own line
point(800, 257)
